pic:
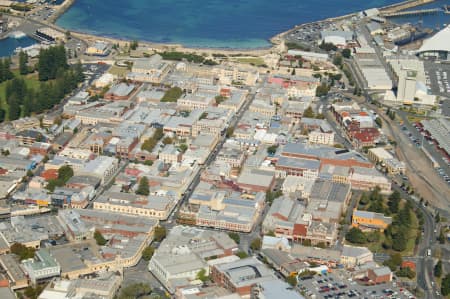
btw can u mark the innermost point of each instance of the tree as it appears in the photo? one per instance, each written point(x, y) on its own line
point(201, 275)
point(437, 271)
point(235, 237)
point(256, 244)
point(22, 251)
point(445, 285)
point(394, 202)
point(33, 293)
point(337, 60)
point(346, 53)
point(134, 45)
point(136, 290)
point(65, 173)
point(379, 122)
point(322, 90)
point(399, 241)
point(271, 150)
point(167, 140)
point(143, 188)
point(441, 237)
point(406, 272)
point(148, 252)
point(309, 112)
point(293, 72)
point(172, 95)
point(242, 254)
point(51, 62)
point(99, 239)
point(230, 131)
point(437, 218)
point(183, 147)
point(355, 235)
point(292, 280)
point(160, 233)
point(270, 196)
point(23, 63)
point(394, 261)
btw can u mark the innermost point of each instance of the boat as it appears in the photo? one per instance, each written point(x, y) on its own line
point(447, 9)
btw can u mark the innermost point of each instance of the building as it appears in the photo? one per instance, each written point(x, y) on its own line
point(222, 211)
point(99, 48)
point(127, 237)
point(370, 220)
point(152, 206)
point(41, 267)
point(185, 251)
point(102, 167)
point(274, 289)
point(409, 72)
point(241, 276)
point(436, 47)
point(170, 154)
point(380, 275)
point(256, 180)
point(13, 268)
point(103, 287)
point(320, 137)
point(367, 179)
point(152, 70)
point(40, 148)
point(352, 256)
point(121, 91)
point(50, 34)
point(382, 156)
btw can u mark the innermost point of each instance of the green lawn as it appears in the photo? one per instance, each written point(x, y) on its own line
point(118, 71)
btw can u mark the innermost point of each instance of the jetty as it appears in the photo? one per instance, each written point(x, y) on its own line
point(405, 5)
point(418, 12)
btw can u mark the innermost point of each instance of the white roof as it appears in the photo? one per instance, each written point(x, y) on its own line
point(438, 42)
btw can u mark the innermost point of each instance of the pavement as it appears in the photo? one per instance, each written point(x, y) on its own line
point(338, 284)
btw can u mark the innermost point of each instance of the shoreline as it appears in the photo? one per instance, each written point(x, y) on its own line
point(276, 41)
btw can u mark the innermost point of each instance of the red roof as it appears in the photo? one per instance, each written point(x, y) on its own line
point(409, 264)
point(300, 230)
point(50, 174)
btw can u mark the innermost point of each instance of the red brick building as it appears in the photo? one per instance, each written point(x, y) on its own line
point(379, 275)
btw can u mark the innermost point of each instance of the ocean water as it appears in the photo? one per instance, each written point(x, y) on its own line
point(8, 45)
point(203, 23)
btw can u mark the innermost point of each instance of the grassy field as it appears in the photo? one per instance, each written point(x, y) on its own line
point(118, 71)
point(31, 80)
point(257, 61)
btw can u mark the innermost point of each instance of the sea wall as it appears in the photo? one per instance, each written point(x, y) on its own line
point(61, 9)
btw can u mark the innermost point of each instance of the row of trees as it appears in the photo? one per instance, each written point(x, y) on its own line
point(5, 70)
point(51, 61)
